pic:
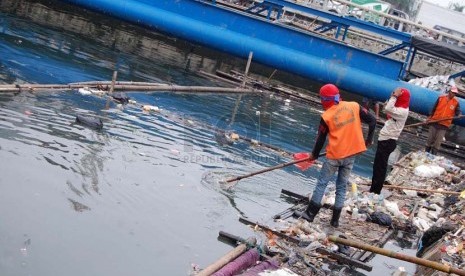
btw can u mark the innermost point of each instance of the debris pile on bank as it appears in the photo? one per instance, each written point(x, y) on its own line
point(370, 218)
point(428, 203)
point(439, 83)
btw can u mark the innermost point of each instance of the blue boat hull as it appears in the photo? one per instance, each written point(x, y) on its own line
point(282, 47)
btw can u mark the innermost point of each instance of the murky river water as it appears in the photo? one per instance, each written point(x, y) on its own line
point(140, 197)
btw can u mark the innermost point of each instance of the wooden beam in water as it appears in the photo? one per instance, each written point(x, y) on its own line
point(344, 259)
point(294, 195)
point(367, 255)
point(266, 228)
point(231, 255)
point(399, 256)
point(103, 83)
point(215, 77)
point(131, 88)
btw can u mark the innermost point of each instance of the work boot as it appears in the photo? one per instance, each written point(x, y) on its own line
point(309, 213)
point(335, 219)
point(343, 249)
point(428, 149)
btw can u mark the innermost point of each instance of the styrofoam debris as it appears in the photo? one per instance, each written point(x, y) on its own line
point(84, 91)
point(89, 91)
point(150, 108)
point(429, 171)
point(234, 136)
point(421, 224)
point(400, 272)
point(392, 208)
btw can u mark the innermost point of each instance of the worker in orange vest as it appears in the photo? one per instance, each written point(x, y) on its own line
point(447, 106)
point(341, 121)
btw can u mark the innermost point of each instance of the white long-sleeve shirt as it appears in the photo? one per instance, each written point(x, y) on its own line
point(393, 127)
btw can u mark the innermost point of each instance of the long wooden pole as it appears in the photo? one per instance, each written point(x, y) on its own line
point(271, 168)
point(249, 60)
point(113, 81)
point(95, 83)
point(395, 255)
point(421, 190)
point(267, 170)
point(112, 88)
point(228, 257)
point(435, 121)
point(135, 88)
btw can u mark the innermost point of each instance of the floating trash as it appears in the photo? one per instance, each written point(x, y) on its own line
point(217, 180)
point(120, 97)
point(150, 108)
point(234, 136)
point(91, 122)
point(90, 91)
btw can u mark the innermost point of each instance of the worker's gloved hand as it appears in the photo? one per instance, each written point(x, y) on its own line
point(305, 164)
point(368, 143)
point(302, 155)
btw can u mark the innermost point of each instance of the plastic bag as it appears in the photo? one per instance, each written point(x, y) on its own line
point(380, 218)
point(428, 171)
point(394, 156)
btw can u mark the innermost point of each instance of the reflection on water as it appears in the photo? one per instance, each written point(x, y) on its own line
point(144, 195)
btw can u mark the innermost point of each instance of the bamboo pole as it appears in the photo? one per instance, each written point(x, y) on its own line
point(95, 83)
point(435, 121)
point(177, 88)
point(231, 255)
point(112, 88)
point(395, 255)
point(247, 69)
point(135, 88)
point(113, 80)
point(236, 107)
point(421, 190)
point(272, 74)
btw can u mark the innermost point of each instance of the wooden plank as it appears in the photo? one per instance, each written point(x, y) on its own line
point(295, 195)
point(367, 256)
point(344, 259)
point(266, 228)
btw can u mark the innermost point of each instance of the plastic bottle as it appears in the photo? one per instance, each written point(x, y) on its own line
point(355, 213)
point(362, 217)
point(380, 199)
point(354, 191)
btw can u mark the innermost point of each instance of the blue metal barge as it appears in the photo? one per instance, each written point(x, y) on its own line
point(280, 46)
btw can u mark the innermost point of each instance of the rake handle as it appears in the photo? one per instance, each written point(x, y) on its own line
point(435, 121)
point(272, 168)
point(267, 169)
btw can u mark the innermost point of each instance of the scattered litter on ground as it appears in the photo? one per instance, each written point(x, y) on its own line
point(373, 219)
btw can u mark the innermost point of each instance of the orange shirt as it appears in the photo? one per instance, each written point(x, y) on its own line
point(345, 130)
point(445, 109)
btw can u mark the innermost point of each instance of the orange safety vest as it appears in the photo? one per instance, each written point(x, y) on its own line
point(445, 109)
point(345, 130)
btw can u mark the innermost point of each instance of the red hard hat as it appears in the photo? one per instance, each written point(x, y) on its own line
point(329, 90)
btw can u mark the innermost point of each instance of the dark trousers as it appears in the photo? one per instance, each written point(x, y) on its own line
point(380, 165)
